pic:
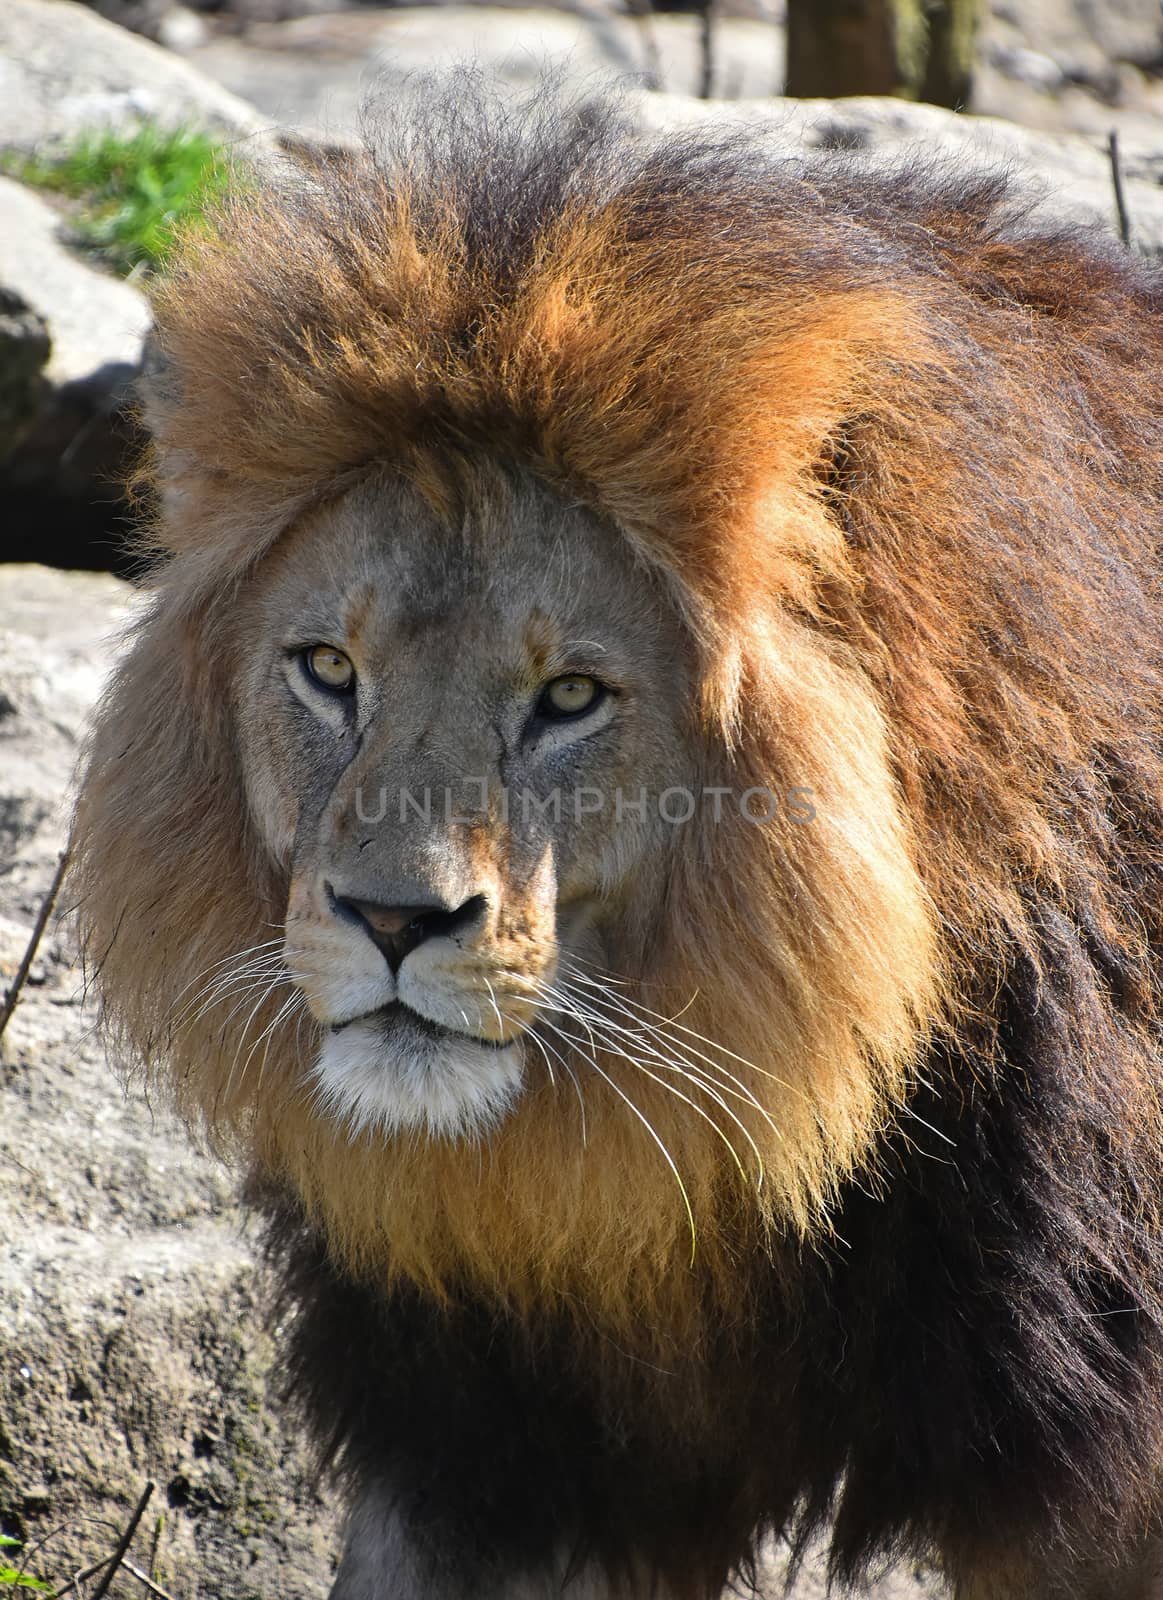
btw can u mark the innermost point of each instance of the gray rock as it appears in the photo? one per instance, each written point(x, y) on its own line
point(78, 433)
point(179, 27)
point(314, 73)
point(93, 320)
point(1027, 66)
point(57, 634)
point(63, 69)
point(1082, 36)
point(1073, 65)
point(146, 17)
point(131, 1340)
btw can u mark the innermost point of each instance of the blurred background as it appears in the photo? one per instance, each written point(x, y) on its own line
point(119, 118)
point(1051, 64)
point(132, 1344)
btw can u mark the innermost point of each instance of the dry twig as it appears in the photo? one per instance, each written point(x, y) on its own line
point(1120, 196)
point(643, 13)
point(706, 11)
point(144, 1579)
point(25, 966)
point(123, 1544)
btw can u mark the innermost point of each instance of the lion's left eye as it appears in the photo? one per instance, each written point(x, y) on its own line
point(329, 667)
point(569, 696)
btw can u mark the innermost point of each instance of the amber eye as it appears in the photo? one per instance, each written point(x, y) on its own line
point(329, 667)
point(569, 697)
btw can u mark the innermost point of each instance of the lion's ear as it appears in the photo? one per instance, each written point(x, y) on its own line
point(181, 478)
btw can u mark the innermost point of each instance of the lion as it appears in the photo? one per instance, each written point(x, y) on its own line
point(636, 812)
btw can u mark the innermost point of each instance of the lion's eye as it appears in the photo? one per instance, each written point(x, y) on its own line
point(329, 667)
point(569, 697)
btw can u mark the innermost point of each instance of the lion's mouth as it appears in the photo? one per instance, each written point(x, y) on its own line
point(396, 1016)
point(395, 1068)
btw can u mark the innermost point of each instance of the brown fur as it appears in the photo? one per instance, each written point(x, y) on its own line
point(897, 461)
point(373, 373)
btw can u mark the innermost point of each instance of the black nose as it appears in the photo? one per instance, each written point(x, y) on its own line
point(397, 930)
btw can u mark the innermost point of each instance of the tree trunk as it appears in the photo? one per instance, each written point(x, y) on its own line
point(707, 48)
point(917, 49)
point(948, 76)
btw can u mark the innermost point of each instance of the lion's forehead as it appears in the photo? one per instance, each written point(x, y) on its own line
point(517, 570)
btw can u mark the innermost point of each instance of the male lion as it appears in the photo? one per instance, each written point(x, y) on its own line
point(638, 806)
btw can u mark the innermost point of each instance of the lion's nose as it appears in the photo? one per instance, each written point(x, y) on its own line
point(397, 930)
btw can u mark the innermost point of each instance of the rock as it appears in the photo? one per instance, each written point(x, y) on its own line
point(64, 480)
point(57, 632)
point(63, 69)
point(1082, 37)
point(1073, 66)
point(146, 17)
point(177, 27)
point(314, 76)
point(181, 29)
point(1027, 66)
point(94, 320)
point(131, 1340)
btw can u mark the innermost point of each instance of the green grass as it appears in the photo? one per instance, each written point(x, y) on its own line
point(10, 1578)
point(132, 192)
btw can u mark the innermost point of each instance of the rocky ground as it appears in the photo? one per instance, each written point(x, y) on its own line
point(1061, 66)
point(131, 1342)
point(1058, 65)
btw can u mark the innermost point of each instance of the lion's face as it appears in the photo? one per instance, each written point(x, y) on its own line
point(441, 891)
point(457, 740)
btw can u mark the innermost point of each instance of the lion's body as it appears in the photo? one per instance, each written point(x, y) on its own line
point(850, 487)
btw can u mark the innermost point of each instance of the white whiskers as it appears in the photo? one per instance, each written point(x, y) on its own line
point(252, 977)
point(593, 1016)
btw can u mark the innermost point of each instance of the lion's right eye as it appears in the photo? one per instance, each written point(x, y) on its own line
point(330, 668)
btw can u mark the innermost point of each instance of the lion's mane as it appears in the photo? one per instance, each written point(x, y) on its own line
point(886, 432)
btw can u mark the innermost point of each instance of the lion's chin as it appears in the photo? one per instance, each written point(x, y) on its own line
point(394, 1070)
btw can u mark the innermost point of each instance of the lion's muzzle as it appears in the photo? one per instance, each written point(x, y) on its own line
point(422, 994)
